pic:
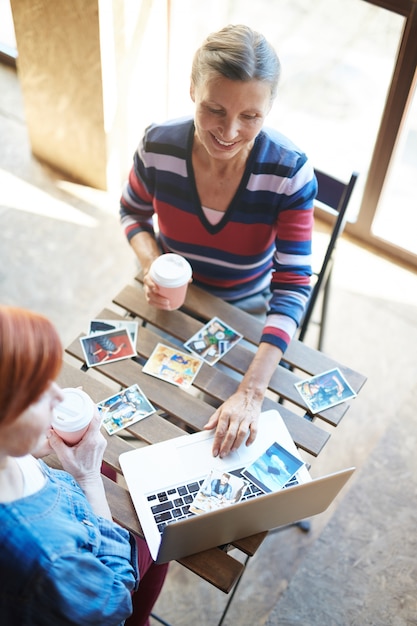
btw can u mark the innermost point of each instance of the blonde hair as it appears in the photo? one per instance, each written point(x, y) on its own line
point(237, 53)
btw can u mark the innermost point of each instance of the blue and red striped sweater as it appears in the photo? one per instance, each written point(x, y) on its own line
point(263, 239)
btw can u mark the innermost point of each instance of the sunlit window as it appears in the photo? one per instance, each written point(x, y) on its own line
point(337, 66)
point(396, 218)
point(7, 35)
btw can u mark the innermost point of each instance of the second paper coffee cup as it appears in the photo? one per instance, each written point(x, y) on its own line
point(172, 273)
point(73, 415)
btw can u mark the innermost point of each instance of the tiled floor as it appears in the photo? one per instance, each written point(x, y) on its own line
point(62, 253)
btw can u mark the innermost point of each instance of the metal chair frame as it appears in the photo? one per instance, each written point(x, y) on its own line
point(333, 196)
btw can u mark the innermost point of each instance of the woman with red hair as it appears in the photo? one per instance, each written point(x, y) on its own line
point(62, 560)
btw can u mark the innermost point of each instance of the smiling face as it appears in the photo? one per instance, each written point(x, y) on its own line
point(24, 434)
point(229, 115)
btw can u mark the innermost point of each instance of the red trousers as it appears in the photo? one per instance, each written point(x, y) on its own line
point(151, 579)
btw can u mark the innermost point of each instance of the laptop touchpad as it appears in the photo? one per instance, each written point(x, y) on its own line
point(198, 457)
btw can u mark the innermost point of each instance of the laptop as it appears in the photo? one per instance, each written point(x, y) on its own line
point(164, 478)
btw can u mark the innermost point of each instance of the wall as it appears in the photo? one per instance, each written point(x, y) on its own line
point(76, 62)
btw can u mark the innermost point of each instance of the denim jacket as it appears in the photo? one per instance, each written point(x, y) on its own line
point(60, 564)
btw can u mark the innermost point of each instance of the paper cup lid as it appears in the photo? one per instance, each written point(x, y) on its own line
point(74, 412)
point(171, 270)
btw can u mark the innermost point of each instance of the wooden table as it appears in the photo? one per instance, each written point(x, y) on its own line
point(180, 411)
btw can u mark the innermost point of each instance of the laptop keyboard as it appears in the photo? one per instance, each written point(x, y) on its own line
point(173, 504)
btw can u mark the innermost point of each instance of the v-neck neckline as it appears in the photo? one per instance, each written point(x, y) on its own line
point(215, 228)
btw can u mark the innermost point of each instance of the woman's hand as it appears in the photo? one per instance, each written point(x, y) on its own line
point(152, 294)
point(235, 421)
point(83, 460)
point(147, 251)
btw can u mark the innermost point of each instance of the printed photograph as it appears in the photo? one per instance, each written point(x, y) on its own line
point(105, 347)
point(218, 490)
point(273, 469)
point(173, 366)
point(124, 409)
point(213, 341)
point(325, 390)
point(102, 326)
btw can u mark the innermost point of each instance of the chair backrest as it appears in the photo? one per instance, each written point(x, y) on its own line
point(333, 196)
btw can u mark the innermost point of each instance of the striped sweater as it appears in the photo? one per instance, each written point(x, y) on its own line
point(263, 239)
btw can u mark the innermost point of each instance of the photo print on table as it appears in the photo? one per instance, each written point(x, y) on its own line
point(325, 390)
point(102, 326)
point(173, 366)
point(213, 340)
point(124, 408)
point(102, 348)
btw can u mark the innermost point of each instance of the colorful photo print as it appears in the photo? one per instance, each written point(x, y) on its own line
point(173, 366)
point(124, 409)
point(213, 341)
point(102, 348)
point(273, 469)
point(103, 326)
point(219, 489)
point(325, 390)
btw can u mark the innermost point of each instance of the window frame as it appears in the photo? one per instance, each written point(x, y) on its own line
point(402, 86)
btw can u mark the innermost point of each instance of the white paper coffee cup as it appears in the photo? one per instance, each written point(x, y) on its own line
point(172, 273)
point(73, 415)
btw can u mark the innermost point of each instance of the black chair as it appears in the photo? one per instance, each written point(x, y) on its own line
point(333, 197)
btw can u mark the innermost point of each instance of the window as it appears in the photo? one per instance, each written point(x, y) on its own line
point(337, 61)
point(396, 217)
point(7, 37)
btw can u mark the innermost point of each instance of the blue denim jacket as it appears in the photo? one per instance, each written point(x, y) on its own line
point(60, 564)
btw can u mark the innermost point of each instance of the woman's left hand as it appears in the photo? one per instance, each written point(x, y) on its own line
point(83, 460)
point(235, 421)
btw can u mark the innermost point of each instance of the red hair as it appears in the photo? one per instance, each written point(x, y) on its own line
point(30, 358)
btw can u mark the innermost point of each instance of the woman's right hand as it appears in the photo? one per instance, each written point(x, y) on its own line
point(152, 294)
point(147, 251)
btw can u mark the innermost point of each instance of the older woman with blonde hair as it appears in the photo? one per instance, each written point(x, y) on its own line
point(235, 198)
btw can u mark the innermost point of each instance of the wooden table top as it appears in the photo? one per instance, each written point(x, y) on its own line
point(182, 411)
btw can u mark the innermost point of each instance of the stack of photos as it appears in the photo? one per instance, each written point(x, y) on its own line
point(219, 489)
point(104, 346)
point(273, 469)
point(103, 326)
point(173, 366)
point(124, 409)
point(325, 390)
point(213, 341)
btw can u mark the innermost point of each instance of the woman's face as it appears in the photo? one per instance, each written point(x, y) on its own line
point(229, 114)
point(27, 432)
